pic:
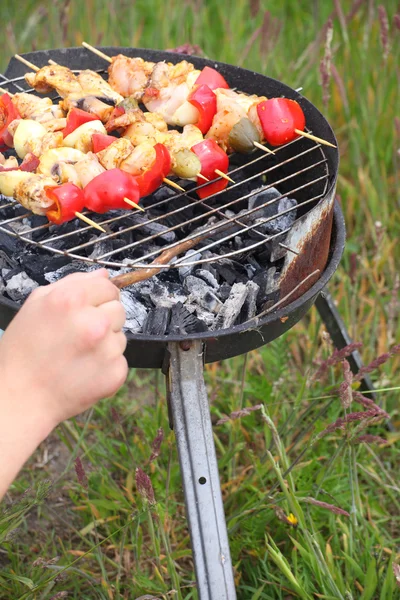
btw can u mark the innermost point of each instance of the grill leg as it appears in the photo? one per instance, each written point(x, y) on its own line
point(193, 430)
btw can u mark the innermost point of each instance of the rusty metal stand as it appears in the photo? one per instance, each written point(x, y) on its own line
point(190, 413)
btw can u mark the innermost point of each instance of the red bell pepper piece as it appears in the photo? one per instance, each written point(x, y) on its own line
point(68, 199)
point(101, 141)
point(77, 117)
point(204, 99)
point(153, 177)
point(108, 190)
point(279, 118)
point(212, 78)
point(8, 112)
point(211, 157)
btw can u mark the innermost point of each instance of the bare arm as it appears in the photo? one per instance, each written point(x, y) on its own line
point(62, 353)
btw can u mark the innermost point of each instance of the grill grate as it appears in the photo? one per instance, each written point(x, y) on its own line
point(288, 163)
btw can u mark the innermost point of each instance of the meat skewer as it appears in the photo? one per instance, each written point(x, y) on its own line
point(155, 89)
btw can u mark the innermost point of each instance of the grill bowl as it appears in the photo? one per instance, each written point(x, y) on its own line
point(150, 351)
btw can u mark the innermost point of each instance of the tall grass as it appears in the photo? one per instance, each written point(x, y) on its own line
point(310, 474)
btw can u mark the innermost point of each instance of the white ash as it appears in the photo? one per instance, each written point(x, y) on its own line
point(20, 286)
point(250, 304)
point(136, 312)
point(201, 294)
point(231, 308)
point(161, 295)
point(208, 277)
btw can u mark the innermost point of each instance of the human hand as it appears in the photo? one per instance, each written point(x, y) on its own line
point(64, 349)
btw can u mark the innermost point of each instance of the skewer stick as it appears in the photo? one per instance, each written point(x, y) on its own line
point(223, 175)
point(89, 221)
point(264, 148)
point(133, 204)
point(173, 184)
point(95, 51)
point(200, 176)
point(51, 61)
point(26, 62)
point(314, 138)
point(4, 91)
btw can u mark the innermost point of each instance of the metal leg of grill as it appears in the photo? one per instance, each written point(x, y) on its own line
point(199, 468)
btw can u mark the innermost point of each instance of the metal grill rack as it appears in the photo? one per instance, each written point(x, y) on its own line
point(293, 155)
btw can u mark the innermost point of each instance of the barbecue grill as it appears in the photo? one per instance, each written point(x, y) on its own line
point(308, 252)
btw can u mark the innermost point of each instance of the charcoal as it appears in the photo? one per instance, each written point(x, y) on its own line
point(20, 286)
point(12, 246)
point(249, 308)
point(226, 272)
point(21, 228)
point(157, 321)
point(184, 269)
point(148, 229)
point(37, 265)
point(232, 307)
point(205, 316)
point(169, 275)
point(276, 225)
point(136, 312)
point(100, 247)
point(224, 291)
point(7, 261)
point(200, 293)
point(161, 193)
point(10, 273)
point(208, 277)
point(39, 221)
point(2, 289)
point(267, 282)
point(182, 321)
point(72, 267)
point(167, 294)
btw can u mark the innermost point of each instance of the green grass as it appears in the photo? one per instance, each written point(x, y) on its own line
point(109, 542)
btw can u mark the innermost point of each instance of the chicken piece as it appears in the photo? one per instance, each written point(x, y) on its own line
point(54, 77)
point(113, 155)
point(94, 85)
point(139, 160)
point(168, 89)
point(140, 132)
point(38, 109)
point(231, 107)
point(129, 76)
point(31, 193)
point(88, 168)
point(90, 104)
point(49, 140)
point(156, 120)
point(8, 163)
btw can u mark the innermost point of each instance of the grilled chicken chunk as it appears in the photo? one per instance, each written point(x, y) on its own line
point(129, 76)
point(231, 107)
point(94, 85)
point(31, 193)
point(168, 90)
point(54, 77)
point(38, 109)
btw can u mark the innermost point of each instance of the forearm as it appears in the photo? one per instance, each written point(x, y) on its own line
point(22, 429)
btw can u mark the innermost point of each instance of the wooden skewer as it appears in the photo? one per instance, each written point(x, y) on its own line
point(26, 62)
point(52, 62)
point(165, 257)
point(95, 51)
point(89, 221)
point(314, 138)
point(264, 148)
point(173, 184)
point(223, 175)
point(200, 176)
point(133, 204)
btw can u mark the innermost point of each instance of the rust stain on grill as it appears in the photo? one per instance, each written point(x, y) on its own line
point(313, 247)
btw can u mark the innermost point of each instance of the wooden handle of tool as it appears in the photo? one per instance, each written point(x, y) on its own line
point(165, 257)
